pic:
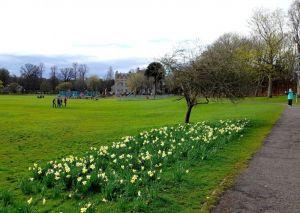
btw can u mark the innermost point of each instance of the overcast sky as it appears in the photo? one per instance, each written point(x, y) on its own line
point(121, 33)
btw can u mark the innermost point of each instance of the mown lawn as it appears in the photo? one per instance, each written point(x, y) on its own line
point(31, 130)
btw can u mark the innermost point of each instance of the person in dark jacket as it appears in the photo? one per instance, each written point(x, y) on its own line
point(58, 102)
point(65, 101)
point(54, 103)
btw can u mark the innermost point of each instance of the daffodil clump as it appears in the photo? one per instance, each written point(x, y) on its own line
point(128, 166)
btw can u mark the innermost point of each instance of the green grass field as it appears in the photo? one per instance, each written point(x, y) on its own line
point(32, 131)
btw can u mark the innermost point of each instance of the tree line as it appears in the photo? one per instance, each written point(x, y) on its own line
point(233, 66)
point(268, 53)
point(74, 77)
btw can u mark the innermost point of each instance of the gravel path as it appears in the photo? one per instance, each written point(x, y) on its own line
point(271, 183)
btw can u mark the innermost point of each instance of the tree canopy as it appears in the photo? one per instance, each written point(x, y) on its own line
point(218, 72)
point(156, 71)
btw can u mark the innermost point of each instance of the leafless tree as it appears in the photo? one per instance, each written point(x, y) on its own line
point(109, 74)
point(66, 74)
point(94, 83)
point(138, 83)
point(201, 77)
point(294, 18)
point(41, 67)
point(53, 77)
point(53, 71)
point(31, 76)
point(75, 70)
point(80, 83)
point(268, 29)
point(294, 21)
point(82, 71)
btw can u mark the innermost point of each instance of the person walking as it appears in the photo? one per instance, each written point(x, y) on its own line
point(290, 96)
point(54, 103)
point(58, 102)
point(65, 101)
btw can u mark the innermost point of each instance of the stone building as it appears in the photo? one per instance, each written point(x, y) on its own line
point(120, 86)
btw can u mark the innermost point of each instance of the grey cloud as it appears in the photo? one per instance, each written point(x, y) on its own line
point(96, 67)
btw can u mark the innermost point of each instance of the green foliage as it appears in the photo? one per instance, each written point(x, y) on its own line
point(28, 187)
point(14, 88)
point(45, 86)
point(274, 48)
point(9, 204)
point(218, 72)
point(138, 82)
point(157, 71)
point(51, 134)
point(1, 85)
point(179, 172)
point(128, 166)
point(4, 76)
point(57, 192)
point(6, 198)
point(64, 86)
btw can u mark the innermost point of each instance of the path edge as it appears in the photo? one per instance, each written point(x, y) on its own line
point(215, 196)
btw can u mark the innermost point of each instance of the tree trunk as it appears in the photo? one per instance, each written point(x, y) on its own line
point(298, 47)
point(298, 86)
point(257, 88)
point(188, 113)
point(270, 88)
point(154, 87)
point(256, 92)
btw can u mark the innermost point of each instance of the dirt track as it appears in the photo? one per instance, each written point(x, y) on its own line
point(272, 181)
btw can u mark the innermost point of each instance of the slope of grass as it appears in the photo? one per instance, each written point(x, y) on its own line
point(32, 131)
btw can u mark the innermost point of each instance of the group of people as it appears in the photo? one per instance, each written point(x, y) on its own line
point(58, 102)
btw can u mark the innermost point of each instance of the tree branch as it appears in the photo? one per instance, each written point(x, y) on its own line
point(206, 102)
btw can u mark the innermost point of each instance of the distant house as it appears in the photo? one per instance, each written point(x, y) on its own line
point(120, 86)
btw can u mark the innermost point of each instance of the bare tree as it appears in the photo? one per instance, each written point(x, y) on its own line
point(94, 83)
point(294, 18)
point(53, 70)
point(82, 71)
point(80, 83)
point(66, 74)
point(109, 74)
point(53, 78)
point(268, 29)
point(199, 78)
point(75, 70)
point(41, 67)
point(137, 82)
point(31, 76)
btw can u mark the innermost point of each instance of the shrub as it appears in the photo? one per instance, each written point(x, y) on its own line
point(64, 86)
